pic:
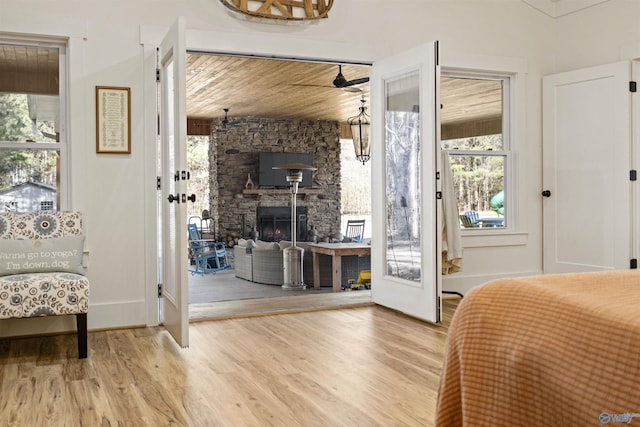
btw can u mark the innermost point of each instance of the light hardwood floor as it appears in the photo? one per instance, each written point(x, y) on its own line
point(365, 366)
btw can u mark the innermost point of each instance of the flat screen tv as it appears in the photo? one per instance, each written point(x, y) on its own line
point(277, 178)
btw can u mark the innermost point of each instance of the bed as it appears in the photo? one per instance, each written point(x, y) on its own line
point(545, 350)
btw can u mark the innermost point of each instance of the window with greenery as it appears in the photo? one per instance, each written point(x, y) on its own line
point(31, 140)
point(473, 134)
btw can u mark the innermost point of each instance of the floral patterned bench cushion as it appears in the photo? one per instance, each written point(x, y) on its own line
point(43, 294)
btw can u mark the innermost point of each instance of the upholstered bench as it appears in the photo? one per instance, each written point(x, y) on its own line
point(41, 270)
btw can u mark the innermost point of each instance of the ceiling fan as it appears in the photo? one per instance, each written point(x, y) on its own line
point(226, 122)
point(340, 82)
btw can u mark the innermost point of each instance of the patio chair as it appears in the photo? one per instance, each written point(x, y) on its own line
point(355, 230)
point(470, 219)
point(209, 256)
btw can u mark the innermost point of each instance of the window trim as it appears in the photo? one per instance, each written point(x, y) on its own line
point(62, 145)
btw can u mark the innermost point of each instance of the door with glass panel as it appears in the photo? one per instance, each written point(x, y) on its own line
point(174, 176)
point(405, 163)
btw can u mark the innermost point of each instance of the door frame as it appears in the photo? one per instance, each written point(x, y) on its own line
point(217, 43)
point(298, 49)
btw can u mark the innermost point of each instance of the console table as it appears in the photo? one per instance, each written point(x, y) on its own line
point(336, 251)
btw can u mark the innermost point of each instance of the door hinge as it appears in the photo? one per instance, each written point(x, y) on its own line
point(633, 175)
point(634, 263)
point(158, 185)
point(157, 74)
point(159, 290)
point(633, 86)
point(438, 195)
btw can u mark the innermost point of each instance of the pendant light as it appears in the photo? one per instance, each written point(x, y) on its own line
point(360, 130)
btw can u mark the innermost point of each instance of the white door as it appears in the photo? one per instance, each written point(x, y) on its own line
point(405, 158)
point(586, 167)
point(174, 175)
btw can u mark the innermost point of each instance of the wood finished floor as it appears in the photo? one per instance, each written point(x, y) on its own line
point(365, 366)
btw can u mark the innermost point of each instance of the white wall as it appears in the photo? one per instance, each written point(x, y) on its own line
point(105, 50)
point(606, 33)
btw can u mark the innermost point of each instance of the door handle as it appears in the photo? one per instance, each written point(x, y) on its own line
point(546, 193)
point(173, 198)
point(192, 198)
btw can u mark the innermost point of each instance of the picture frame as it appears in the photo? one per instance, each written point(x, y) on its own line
point(113, 120)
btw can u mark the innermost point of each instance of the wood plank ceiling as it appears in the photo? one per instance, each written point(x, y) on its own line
point(258, 87)
point(274, 88)
point(270, 88)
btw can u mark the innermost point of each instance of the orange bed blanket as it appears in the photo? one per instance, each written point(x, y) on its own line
point(547, 350)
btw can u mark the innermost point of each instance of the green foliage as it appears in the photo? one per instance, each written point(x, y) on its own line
point(477, 178)
point(15, 124)
point(17, 166)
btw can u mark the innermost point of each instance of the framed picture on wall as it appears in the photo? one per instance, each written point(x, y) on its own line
point(113, 120)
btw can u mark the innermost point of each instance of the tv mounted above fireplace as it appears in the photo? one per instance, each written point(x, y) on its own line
point(269, 177)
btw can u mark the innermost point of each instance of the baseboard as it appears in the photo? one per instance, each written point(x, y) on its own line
point(100, 316)
point(463, 284)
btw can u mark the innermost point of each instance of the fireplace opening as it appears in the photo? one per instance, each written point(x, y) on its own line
point(274, 223)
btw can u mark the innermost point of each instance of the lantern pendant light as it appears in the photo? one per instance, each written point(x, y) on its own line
point(360, 131)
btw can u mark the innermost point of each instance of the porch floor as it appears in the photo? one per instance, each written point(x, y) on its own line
point(222, 295)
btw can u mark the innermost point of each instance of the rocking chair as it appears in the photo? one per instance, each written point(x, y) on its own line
point(209, 256)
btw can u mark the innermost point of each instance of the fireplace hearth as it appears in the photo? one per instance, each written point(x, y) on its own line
point(274, 223)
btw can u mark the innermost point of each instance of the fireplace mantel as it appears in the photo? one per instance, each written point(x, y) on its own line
point(259, 192)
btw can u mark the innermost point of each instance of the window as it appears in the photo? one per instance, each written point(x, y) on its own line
point(474, 133)
point(46, 205)
point(32, 137)
point(198, 164)
point(355, 184)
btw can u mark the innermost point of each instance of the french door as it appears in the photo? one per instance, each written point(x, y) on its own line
point(406, 249)
point(174, 175)
point(405, 117)
point(587, 160)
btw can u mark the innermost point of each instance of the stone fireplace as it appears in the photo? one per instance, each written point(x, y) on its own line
point(274, 223)
point(234, 157)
